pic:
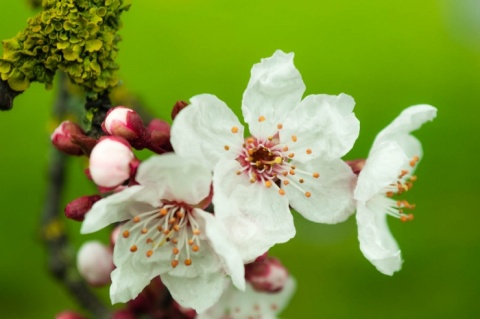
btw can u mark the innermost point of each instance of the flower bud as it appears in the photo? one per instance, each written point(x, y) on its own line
point(180, 105)
point(68, 315)
point(62, 138)
point(77, 208)
point(123, 314)
point(124, 122)
point(356, 165)
point(268, 275)
point(158, 132)
point(110, 162)
point(95, 263)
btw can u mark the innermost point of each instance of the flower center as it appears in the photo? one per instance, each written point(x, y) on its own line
point(404, 183)
point(170, 225)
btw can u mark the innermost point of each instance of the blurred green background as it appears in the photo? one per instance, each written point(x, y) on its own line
point(387, 54)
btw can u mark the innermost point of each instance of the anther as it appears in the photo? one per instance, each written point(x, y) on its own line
point(261, 118)
point(172, 220)
point(414, 161)
point(279, 126)
point(144, 231)
point(234, 129)
point(301, 180)
point(251, 151)
point(136, 219)
point(316, 175)
point(133, 248)
point(149, 241)
point(285, 182)
point(281, 192)
point(174, 263)
point(268, 184)
point(188, 262)
point(159, 228)
point(309, 151)
point(176, 227)
point(190, 242)
point(175, 241)
point(403, 172)
point(175, 251)
point(196, 231)
point(285, 173)
point(308, 194)
point(292, 172)
point(149, 253)
point(291, 155)
point(163, 212)
point(226, 147)
point(195, 248)
point(126, 234)
point(179, 214)
point(270, 138)
point(250, 140)
point(285, 148)
point(294, 138)
point(413, 178)
point(389, 194)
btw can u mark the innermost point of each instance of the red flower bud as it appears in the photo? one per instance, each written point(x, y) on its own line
point(62, 138)
point(77, 208)
point(158, 132)
point(124, 122)
point(268, 275)
point(68, 315)
point(180, 105)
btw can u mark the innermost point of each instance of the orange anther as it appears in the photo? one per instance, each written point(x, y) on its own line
point(136, 219)
point(149, 241)
point(291, 155)
point(250, 151)
point(175, 251)
point(285, 148)
point(292, 172)
point(413, 178)
point(301, 180)
point(133, 248)
point(281, 191)
point(285, 173)
point(250, 140)
point(195, 248)
point(172, 220)
point(270, 138)
point(179, 214)
point(294, 138)
point(234, 129)
point(316, 175)
point(190, 242)
point(308, 194)
point(268, 184)
point(196, 231)
point(144, 231)
point(174, 263)
point(176, 227)
point(226, 147)
point(188, 262)
point(309, 151)
point(149, 253)
point(159, 228)
point(163, 212)
point(285, 182)
point(261, 118)
point(279, 126)
point(389, 194)
point(126, 234)
point(175, 241)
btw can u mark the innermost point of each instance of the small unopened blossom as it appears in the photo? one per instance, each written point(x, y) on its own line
point(111, 162)
point(124, 314)
point(77, 208)
point(168, 234)
point(382, 183)
point(235, 304)
point(95, 263)
point(62, 138)
point(180, 105)
point(124, 122)
point(69, 315)
point(158, 136)
point(268, 275)
point(291, 159)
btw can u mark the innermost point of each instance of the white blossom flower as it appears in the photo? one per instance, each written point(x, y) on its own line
point(168, 234)
point(236, 304)
point(388, 172)
point(292, 157)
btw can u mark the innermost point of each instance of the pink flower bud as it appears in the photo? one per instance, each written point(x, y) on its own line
point(62, 138)
point(123, 314)
point(77, 208)
point(110, 162)
point(180, 105)
point(159, 136)
point(356, 165)
point(268, 275)
point(68, 315)
point(95, 263)
point(124, 122)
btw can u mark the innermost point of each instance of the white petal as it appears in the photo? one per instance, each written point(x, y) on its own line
point(204, 128)
point(235, 304)
point(331, 199)
point(381, 169)
point(409, 120)
point(376, 241)
point(257, 217)
point(183, 179)
point(198, 293)
point(118, 207)
point(127, 283)
point(323, 124)
point(226, 251)
point(274, 89)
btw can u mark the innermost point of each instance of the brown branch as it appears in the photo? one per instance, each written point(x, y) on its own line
point(61, 256)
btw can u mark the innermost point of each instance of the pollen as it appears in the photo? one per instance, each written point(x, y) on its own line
point(279, 126)
point(316, 175)
point(126, 234)
point(149, 253)
point(261, 118)
point(133, 248)
point(136, 219)
point(309, 151)
point(174, 263)
point(308, 194)
point(414, 161)
point(188, 262)
point(234, 129)
point(294, 138)
point(403, 172)
point(226, 147)
point(281, 192)
point(268, 184)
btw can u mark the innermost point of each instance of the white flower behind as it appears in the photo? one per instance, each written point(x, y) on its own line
point(388, 172)
point(236, 304)
point(291, 159)
point(168, 234)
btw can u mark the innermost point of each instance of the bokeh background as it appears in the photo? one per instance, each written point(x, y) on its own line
point(387, 54)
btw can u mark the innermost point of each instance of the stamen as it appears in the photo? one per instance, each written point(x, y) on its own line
point(308, 194)
point(195, 248)
point(136, 219)
point(268, 184)
point(294, 138)
point(188, 262)
point(291, 155)
point(133, 248)
point(163, 212)
point(316, 175)
point(234, 129)
point(279, 126)
point(174, 263)
point(301, 180)
point(309, 151)
point(175, 251)
point(144, 231)
point(149, 253)
point(286, 182)
point(261, 118)
point(226, 147)
point(126, 234)
point(281, 192)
